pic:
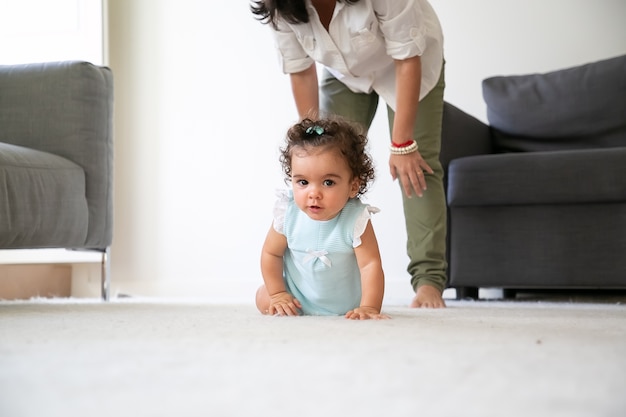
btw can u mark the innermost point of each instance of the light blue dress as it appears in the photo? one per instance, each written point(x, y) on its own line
point(320, 267)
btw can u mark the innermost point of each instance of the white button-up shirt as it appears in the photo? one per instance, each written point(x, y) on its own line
point(362, 41)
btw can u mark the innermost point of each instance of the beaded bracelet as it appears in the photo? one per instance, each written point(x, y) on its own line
point(403, 148)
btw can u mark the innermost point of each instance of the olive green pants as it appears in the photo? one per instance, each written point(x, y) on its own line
point(425, 217)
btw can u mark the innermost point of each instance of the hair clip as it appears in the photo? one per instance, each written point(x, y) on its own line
point(314, 130)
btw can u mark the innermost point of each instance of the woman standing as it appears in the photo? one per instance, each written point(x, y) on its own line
point(371, 49)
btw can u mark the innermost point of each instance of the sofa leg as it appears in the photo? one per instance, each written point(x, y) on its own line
point(509, 293)
point(466, 293)
point(106, 274)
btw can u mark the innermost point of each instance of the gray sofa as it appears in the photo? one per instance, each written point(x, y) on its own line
point(56, 158)
point(537, 198)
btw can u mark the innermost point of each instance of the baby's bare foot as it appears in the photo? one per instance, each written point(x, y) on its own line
point(428, 296)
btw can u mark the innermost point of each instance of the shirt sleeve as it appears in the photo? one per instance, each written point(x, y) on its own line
point(403, 25)
point(291, 55)
point(361, 223)
point(280, 208)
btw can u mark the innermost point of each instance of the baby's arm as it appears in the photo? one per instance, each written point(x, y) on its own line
point(372, 278)
point(281, 302)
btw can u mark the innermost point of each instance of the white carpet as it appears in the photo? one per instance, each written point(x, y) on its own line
point(183, 358)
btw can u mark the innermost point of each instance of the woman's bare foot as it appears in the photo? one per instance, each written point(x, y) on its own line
point(428, 296)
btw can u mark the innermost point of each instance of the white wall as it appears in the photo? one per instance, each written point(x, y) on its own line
point(504, 37)
point(201, 108)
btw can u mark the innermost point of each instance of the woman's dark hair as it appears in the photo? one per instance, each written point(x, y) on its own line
point(293, 11)
point(333, 133)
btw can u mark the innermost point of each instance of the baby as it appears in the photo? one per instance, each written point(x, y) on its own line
point(321, 256)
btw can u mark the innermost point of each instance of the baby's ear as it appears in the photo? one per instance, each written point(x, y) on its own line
point(354, 190)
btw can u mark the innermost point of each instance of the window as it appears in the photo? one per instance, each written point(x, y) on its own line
point(51, 30)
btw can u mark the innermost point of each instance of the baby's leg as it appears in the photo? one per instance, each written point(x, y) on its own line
point(262, 299)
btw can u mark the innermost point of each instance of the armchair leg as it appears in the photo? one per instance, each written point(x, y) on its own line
point(106, 274)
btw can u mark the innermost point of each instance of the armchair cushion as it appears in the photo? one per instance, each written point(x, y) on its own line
point(55, 184)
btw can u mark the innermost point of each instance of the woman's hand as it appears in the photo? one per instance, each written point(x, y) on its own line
point(283, 304)
point(411, 170)
point(365, 313)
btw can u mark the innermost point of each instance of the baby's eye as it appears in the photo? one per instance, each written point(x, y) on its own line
point(329, 183)
point(302, 183)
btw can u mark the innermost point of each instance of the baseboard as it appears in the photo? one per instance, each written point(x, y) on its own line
point(41, 280)
point(231, 290)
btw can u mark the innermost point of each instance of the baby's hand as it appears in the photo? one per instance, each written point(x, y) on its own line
point(283, 304)
point(366, 313)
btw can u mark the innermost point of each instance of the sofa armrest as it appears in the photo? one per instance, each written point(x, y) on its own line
point(66, 108)
point(528, 178)
point(462, 135)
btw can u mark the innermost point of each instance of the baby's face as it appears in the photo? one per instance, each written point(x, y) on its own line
point(322, 182)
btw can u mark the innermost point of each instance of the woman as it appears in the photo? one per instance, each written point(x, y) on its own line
point(371, 48)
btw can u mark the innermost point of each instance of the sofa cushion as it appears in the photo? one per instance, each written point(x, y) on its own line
point(584, 101)
point(42, 199)
point(539, 178)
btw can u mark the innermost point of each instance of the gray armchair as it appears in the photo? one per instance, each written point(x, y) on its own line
point(537, 198)
point(56, 158)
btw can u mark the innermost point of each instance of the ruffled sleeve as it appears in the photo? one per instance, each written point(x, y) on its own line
point(280, 207)
point(361, 223)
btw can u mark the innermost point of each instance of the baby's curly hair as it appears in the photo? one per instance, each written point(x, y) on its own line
point(331, 133)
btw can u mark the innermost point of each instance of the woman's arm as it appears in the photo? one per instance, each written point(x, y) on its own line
point(372, 277)
point(408, 84)
point(304, 87)
point(408, 168)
